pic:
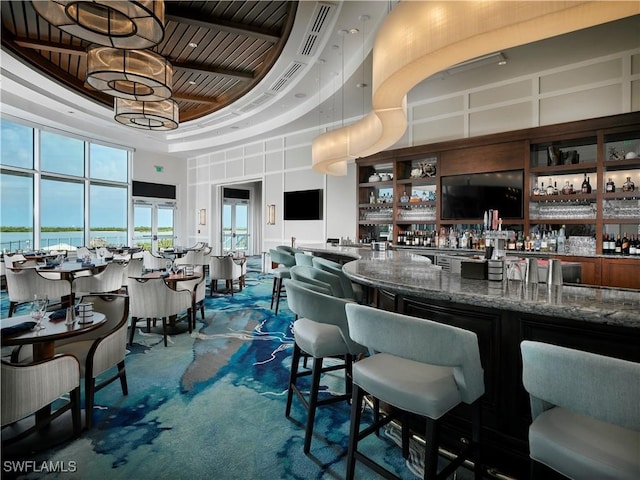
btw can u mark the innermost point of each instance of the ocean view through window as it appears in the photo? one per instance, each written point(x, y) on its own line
point(59, 192)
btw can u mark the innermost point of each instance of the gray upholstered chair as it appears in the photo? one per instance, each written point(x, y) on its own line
point(285, 261)
point(417, 366)
point(350, 289)
point(320, 331)
point(102, 349)
point(586, 412)
point(23, 284)
point(153, 262)
point(304, 259)
point(109, 280)
point(222, 267)
point(28, 388)
point(197, 288)
point(152, 298)
point(315, 276)
point(288, 249)
point(132, 268)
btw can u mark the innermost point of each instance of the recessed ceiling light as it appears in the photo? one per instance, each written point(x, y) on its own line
point(191, 82)
point(193, 44)
point(353, 31)
point(300, 95)
point(235, 127)
point(361, 85)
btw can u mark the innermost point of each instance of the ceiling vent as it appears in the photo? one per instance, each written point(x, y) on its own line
point(256, 103)
point(319, 21)
point(290, 73)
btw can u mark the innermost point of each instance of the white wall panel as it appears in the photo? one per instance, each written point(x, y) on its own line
point(297, 157)
point(500, 94)
point(438, 130)
point(595, 102)
point(445, 106)
point(500, 119)
point(274, 161)
point(235, 169)
point(253, 165)
point(584, 75)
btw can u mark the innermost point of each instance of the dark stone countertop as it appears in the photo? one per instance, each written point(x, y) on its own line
point(412, 275)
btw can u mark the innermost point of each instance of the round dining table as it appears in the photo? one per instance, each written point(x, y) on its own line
point(43, 340)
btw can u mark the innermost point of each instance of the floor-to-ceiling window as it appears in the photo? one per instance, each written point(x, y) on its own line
point(59, 191)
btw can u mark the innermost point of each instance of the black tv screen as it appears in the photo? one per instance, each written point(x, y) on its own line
point(303, 205)
point(467, 197)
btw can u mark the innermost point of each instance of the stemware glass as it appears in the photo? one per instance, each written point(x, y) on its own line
point(169, 266)
point(38, 311)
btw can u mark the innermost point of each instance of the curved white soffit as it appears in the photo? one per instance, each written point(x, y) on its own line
point(419, 39)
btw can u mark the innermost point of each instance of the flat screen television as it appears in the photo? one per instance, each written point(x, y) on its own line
point(303, 205)
point(467, 197)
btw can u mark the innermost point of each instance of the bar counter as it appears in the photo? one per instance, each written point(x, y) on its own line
point(502, 314)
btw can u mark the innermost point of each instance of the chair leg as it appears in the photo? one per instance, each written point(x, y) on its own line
point(278, 293)
point(431, 449)
point(133, 329)
point(164, 330)
point(313, 403)
point(273, 292)
point(89, 394)
point(476, 422)
point(293, 377)
point(75, 411)
point(122, 373)
point(13, 305)
point(354, 430)
point(201, 313)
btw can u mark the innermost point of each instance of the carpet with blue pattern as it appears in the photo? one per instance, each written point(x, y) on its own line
point(210, 406)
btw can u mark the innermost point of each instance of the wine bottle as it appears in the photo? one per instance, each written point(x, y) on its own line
point(618, 249)
point(633, 246)
point(585, 185)
point(605, 244)
point(625, 244)
point(550, 187)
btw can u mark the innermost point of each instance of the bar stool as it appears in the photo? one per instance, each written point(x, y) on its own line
point(320, 331)
point(285, 261)
point(586, 412)
point(419, 366)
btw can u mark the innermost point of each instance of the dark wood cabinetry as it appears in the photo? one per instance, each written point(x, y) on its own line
point(563, 154)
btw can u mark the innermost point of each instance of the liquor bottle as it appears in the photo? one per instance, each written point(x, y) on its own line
point(612, 245)
point(372, 198)
point(628, 186)
point(625, 244)
point(633, 246)
point(550, 187)
point(536, 243)
point(552, 242)
point(561, 241)
point(618, 248)
point(567, 189)
point(586, 185)
point(404, 198)
point(610, 187)
point(543, 191)
point(555, 189)
point(605, 244)
point(536, 190)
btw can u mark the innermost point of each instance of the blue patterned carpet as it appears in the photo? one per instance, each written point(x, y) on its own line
point(210, 406)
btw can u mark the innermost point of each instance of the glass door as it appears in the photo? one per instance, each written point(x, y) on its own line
point(235, 225)
point(153, 224)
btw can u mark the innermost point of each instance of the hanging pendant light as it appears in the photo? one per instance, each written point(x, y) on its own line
point(119, 24)
point(132, 74)
point(158, 116)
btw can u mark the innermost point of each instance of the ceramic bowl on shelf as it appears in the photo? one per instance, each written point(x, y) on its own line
point(385, 177)
point(631, 155)
point(374, 178)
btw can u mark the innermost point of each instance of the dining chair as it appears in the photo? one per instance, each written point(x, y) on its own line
point(320, 331)
point(109, 280)
point(420, 367)
point(197, 288)
point(586, 413)
point(132, 268)
point(285, 261)
point(102, 349)
point(153, 262)
point(28, 388)
point(190, 258)
point(24, 284)
point(82, 252)
point(152, 298)
point(17, 260)
point(222, 267)
point(288, 249)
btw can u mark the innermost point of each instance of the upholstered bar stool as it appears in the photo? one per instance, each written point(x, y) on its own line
point(285, 261)
point(318, 277)
point(417, 366)
point(350, 289)
point(320, 331)
point(586, 413)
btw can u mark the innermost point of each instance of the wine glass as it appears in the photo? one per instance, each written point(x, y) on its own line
point(38, 310)
point(169, 266)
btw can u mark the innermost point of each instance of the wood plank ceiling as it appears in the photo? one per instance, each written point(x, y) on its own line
point(237, 44)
